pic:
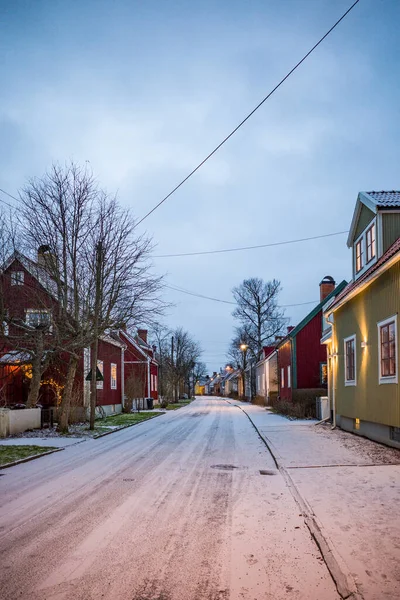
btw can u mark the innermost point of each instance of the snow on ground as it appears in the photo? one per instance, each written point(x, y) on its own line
point(353, 487)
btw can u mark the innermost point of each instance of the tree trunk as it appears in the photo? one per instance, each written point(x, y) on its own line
point(34, 387)
point(67, 395)
point(93, 383)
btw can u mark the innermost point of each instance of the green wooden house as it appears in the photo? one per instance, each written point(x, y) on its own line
point(363, 362)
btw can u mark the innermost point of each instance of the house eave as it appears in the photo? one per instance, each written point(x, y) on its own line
point(362, 198)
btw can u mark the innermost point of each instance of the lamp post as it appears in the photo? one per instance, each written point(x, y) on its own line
point(244, 348)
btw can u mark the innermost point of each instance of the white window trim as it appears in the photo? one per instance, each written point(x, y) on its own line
point(113, 382)
point(350, 382)
point(39, 311)
point(289, 378)
point(363, 238)
point(282, 377)
point(100, 384)
point(389, 378)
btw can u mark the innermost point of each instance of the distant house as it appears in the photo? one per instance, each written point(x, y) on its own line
point(362, 339)
point(302, 359)
point(267, 376)
point(140, 364)
point(232, 384)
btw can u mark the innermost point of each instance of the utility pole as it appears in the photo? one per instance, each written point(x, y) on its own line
point(95, 345)
point(172, 365)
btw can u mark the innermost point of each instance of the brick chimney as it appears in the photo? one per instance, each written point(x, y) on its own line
point(142, 333)
point(326, 286)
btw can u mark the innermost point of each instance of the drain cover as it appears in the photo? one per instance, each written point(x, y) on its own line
point(224, 467)
point(267, 472)
point(128, 480)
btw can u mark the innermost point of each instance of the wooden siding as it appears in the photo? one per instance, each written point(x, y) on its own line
point(390, 229)
point(368, 400)
point(366, 216)
point(310, 353)
point(285, 361)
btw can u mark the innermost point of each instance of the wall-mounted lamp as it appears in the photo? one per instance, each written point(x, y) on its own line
point(364, 344)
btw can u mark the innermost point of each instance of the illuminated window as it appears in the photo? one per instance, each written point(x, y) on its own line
point(371, 243)
point(282, 377)
point(359, 256)
point(100, 366)
point(113, 376)
point(17, 278)
point(350, 360)
point(324, 374)
point(288, 378)
point(388, 350)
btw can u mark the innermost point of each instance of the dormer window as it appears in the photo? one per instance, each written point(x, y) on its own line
point(371, 243)
point(359, 256)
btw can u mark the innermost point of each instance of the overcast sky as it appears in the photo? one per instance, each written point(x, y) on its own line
point(144, 90)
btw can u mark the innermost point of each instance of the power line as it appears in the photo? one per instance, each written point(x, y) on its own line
point(183, 291)
point(316, 237)
point(5, 202)
point(10, 195)
point(249, 115)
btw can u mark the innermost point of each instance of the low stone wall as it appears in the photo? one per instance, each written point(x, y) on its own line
point(18, 421)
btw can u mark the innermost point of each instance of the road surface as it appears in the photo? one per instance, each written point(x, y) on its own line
point(172, 509)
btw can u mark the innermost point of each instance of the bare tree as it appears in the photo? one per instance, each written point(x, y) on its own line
point(258, 313)
point(97, 264)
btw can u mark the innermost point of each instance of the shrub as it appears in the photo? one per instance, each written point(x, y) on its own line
point(164, 403)
point(302, 405)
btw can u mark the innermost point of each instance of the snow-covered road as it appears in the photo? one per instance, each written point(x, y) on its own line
point(172, 509)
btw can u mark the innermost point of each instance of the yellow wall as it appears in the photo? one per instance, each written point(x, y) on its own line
point(368, 400)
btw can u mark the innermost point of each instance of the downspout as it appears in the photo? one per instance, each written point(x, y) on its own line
point(333, 392)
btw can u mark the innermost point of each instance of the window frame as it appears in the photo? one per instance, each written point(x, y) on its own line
point(373, 243)
point(384, 379)
point(360, 243)
point(321, 368)
point(350, 382)
point(289, 377)
point(100, 366)
point(39, 311)
point(282, 377)
point(113, 381)
point(17, 277)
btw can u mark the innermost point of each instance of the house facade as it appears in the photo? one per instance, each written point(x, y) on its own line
point(363, 340)
point(139, 364)
point(267, 376)
point(302, 358)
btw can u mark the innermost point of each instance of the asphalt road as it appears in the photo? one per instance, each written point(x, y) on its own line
point(172, 509)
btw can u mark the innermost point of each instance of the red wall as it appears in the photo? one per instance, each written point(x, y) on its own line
point(310, 353)
point(284, 362)
point(109, 353)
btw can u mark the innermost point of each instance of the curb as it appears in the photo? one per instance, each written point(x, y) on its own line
point(100, 435)
point(343, 580)
point(29, 458)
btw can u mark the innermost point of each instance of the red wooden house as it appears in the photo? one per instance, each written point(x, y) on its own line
point(29, 297)
point(302, 358)
point(139, 361)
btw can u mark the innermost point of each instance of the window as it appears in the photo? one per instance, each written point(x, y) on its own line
point(113, 376)
point(288, 377)
point(5, 328)
point(17, 278)
point(100, 366)
point(37, 318)
point(350, 360)
point(387, 333)
point(282, 377)
point(155, 383)
point(359, 255)
point(371, 243)
point(324, 374)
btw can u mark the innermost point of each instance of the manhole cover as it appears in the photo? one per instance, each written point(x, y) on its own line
point(128, 479)
point(267, 472)
point(224, 467)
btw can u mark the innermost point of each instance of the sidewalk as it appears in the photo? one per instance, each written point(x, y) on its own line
point(352, 485)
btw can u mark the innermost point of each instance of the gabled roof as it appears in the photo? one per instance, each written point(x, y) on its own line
point(338, 289)
point(374, 201)
point(132, 340)
point(36, 270)
point(370, 275)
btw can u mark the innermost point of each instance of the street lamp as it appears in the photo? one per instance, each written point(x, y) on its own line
point(244, 348)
